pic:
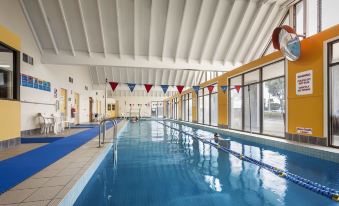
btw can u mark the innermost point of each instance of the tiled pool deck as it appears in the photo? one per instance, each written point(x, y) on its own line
point(51, 185)
point(322, 152)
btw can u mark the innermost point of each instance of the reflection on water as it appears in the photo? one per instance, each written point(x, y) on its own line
point(160, 166)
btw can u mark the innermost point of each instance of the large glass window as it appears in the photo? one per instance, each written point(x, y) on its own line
point(260, 94)
point(235, 109)
point(329, 13)
point(274, 99)
point(200, 107)
point(190, 107)
point(299, 17)
point(252, 101)
point(214, 107)
point(7, 73)
point(206, 107)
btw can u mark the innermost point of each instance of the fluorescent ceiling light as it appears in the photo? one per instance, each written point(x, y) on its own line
point(5, 66)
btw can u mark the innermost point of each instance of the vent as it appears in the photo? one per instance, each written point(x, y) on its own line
point(28, 59)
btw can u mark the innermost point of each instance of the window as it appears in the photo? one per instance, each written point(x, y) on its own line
point(8, 73)
point(252, 101)
point(190, 107)
point(206, 106)
point(258, 104)
point(214, 106)
point(274, 99)
point(312, 17)
point(200, 107)
point(299, 17)
point(329, 13)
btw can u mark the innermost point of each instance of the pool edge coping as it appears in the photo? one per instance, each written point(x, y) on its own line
point(74, 193)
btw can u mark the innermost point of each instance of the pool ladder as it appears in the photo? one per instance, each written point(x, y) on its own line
point(102, 129)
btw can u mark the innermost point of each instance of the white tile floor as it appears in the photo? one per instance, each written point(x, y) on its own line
point(50, 186)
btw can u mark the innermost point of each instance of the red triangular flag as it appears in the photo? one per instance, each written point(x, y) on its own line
point(148, 87)
point(210, 88)
point(113, 85)
point(180, 88)
point(237, 87)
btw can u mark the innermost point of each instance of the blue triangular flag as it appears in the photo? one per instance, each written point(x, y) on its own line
point(131, 86)
point(196, 89)
point(164, 88)
point(224, 88)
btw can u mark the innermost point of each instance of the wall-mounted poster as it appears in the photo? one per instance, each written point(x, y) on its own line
point(40, 84)
point(36, 83)
point(33, 82)
point(30, 81)
point(24, 80)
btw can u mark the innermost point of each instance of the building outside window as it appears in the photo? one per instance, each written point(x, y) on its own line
point(9, 70)
point(259, 105)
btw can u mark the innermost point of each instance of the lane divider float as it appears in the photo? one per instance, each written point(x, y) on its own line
point(303, 182)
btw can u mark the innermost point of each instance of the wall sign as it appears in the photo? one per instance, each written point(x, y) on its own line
point(35, 83)
point(304, 82)
point(302, 130)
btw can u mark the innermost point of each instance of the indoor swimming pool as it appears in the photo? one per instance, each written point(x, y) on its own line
point(152, 164)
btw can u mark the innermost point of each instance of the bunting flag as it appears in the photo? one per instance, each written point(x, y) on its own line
point(164, 88)
point(196, 89)
point(210, 88)
point(223, 88)
point(148, 87)
point(237, 87)
point(131, 86)
point(180, 88)
point(113, 85)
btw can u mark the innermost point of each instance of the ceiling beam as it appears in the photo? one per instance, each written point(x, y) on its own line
point(29, 21)
point(135, 28)
point(84, 27)
point(229, 26)
point(180, 30)
point(118, 28)
point(262, 32)
point(101, 28)
point(241, 31)
point(166, 30)
point(44, 15)
point(201, 75)
point(150, 30)
point(195, 30)
point(260, 18)
point(211, 25)
point(61, 6)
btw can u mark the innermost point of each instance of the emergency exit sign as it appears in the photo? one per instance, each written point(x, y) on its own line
point(304, 82)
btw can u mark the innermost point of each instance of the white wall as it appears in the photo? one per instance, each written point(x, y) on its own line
point(12, 17)
point(124, 104)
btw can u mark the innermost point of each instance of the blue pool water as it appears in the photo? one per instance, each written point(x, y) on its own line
point(151, 164)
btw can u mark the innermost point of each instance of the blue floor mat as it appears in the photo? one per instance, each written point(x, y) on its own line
point(16, 169)
point(30, 140)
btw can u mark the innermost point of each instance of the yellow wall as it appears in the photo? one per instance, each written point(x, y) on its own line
point(303, 111)
point(9, 119)
point(10, 111)
point(307, 111)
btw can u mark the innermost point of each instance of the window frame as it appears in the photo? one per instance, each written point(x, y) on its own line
point(261, 83)
point(16, 73)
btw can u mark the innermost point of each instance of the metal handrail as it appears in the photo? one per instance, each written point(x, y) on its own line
point(103, 124)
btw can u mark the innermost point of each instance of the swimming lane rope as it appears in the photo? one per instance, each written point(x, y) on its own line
point(308, 184)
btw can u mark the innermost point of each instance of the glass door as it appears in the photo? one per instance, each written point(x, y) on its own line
point(333, 60)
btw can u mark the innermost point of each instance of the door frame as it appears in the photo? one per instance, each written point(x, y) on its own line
point(328, 55)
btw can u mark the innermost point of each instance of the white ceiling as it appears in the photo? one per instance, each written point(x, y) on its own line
point(135, 37)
